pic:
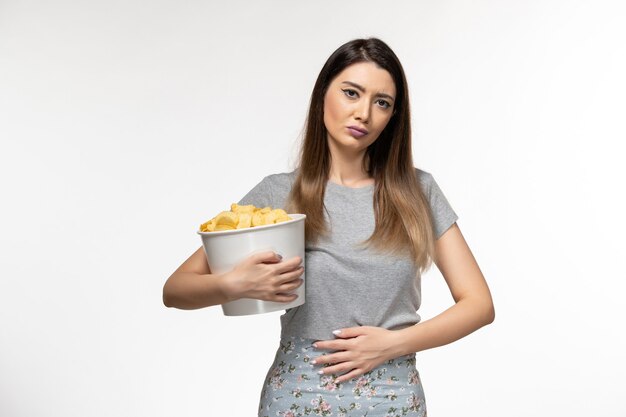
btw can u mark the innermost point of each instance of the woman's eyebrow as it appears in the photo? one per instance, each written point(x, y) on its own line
point(358, 87)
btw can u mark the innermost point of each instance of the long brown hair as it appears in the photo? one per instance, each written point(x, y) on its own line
point(402, 215)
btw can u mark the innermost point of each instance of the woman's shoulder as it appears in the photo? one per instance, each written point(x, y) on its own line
point(270, 191)
point(281, 179)
point(425, 178)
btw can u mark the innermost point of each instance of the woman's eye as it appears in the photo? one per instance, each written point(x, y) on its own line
point(350, 93)
point(384, 104)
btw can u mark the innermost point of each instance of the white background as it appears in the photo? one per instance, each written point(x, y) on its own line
point(125, 124)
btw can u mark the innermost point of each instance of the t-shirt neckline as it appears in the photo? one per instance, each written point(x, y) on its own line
point(339, 187)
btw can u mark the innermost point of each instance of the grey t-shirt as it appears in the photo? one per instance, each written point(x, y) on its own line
point(346, 285)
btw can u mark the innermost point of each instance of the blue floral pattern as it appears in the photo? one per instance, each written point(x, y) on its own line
point(293, 388)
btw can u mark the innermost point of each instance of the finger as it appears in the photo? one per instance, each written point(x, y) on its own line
point(287, 266)
point(355, 373)
point(284, 298)
point(266, 256)
point(337, 344)
point(291, 285)
point(336, 369)
point(331, 358)
point(289, 276)
point(349, 332)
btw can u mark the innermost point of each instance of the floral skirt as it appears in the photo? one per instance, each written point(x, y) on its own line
point(293, 388)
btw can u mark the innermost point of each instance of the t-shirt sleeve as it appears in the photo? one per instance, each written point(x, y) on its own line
point(443, 214)
point(260, 195)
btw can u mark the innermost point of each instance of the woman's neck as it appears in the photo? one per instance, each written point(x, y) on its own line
point(349, 173)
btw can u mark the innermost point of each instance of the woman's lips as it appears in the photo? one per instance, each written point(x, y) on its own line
point(356, 133)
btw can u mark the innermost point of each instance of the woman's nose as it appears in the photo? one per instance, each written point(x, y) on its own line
point(362, 112)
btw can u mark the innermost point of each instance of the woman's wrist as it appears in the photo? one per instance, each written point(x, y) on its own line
point(400, 342)
point(225, 287)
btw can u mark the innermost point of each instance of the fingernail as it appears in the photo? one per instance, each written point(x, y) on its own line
point(313, 361)
point(336, 332)
point(315, 345)
point(321, 371)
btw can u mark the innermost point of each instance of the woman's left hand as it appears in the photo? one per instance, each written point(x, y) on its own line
point(359, 350)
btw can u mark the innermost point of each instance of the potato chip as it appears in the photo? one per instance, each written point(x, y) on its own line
point(223, 227)
point(258, 219)
point(245, 220)
point(236, 208)
point(227, 218)
point(270, 218)
point(242, 217)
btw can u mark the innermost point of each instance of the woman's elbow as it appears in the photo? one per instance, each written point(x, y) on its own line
point(166, 301)
point(490, 314)
point(167, 297)
point(484, 311)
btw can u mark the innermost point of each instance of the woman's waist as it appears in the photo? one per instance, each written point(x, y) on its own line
point(294, 343)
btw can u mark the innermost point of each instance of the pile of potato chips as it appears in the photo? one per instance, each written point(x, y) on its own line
point(241, 217)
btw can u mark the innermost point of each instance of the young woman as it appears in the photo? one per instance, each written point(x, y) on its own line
point(374, 224)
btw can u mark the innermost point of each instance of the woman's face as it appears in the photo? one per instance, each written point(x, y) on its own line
point(358, 105)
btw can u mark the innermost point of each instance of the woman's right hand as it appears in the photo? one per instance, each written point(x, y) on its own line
point(263, 276)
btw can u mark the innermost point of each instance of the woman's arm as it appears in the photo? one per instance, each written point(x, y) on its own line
point(473, 306)
point(360, 349)
point(261, 276)
point(193, 285)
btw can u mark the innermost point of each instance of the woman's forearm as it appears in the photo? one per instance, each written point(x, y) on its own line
point(189, 290)
point(463, 318)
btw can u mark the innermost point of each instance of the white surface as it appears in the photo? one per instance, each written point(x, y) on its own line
point(126, 124)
